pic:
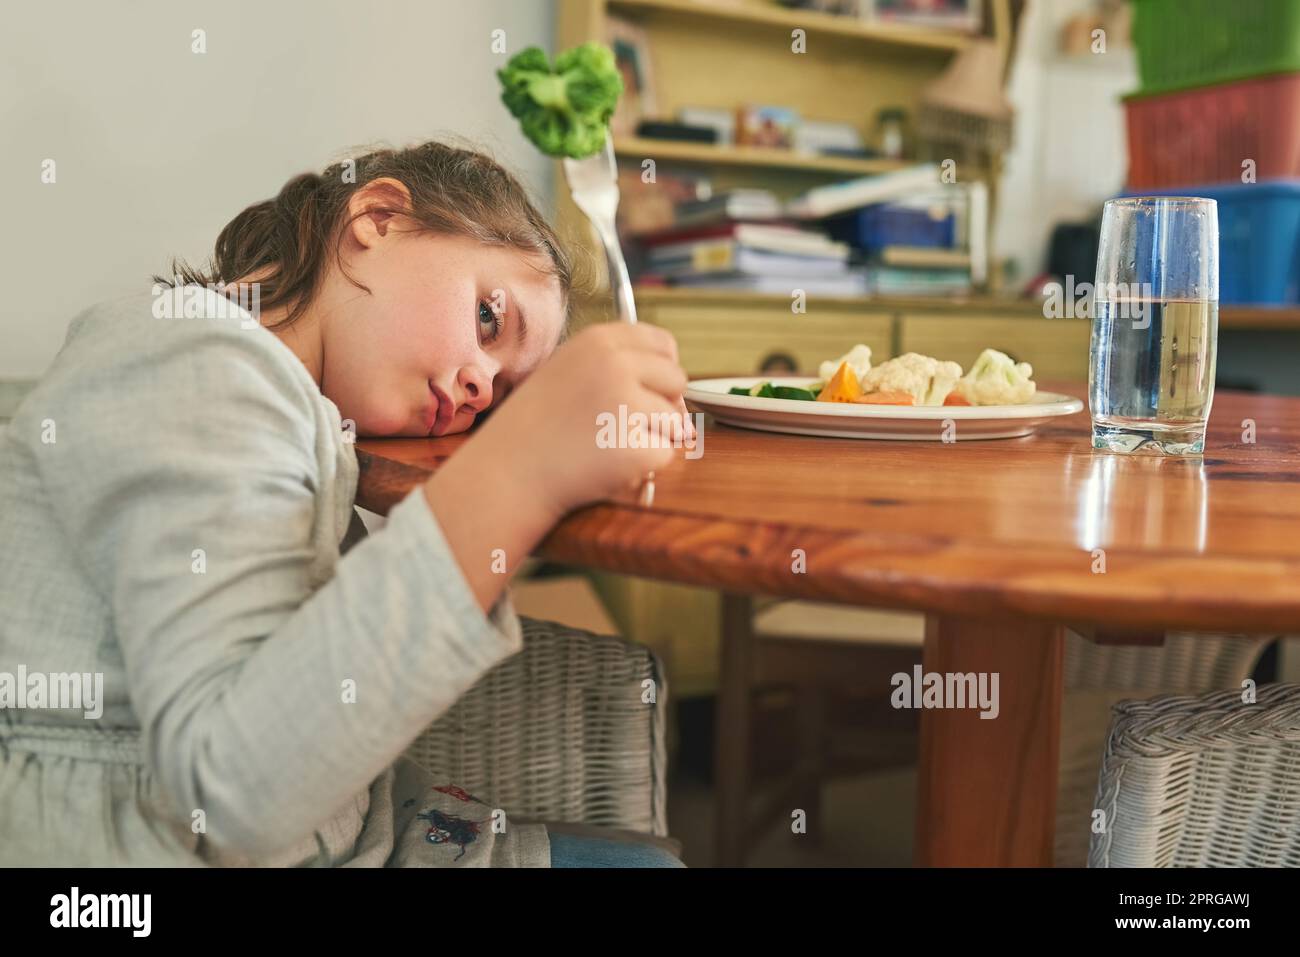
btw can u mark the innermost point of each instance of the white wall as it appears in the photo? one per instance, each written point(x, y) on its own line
point(158, 147)
point(1070, 152)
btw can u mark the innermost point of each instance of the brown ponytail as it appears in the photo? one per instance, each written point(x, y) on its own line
point(286, 241)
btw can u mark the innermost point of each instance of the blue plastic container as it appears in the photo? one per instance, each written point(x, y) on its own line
point(1259, 240)
point(871, 228)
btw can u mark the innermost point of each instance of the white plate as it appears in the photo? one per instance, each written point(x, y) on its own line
point(851, 420)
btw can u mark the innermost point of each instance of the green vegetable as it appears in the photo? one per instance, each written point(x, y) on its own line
point(792, 392)
point(564, 109)
point(765, 390)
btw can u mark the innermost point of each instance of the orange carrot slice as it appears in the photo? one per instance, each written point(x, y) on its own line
point(955, 399)
point(843, 386)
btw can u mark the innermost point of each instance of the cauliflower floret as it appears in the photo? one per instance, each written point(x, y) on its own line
point(858, 358)
point(927, 379)
point(995, 379)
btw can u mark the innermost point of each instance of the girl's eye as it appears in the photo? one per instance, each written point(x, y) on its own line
point(489, 323)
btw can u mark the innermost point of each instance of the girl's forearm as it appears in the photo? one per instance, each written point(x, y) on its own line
point(491, 517)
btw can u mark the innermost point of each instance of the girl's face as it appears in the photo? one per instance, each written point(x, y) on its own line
point(450, 326)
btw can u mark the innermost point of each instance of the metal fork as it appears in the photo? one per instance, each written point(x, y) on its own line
point(593, 184)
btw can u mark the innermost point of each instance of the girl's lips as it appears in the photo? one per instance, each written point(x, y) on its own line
point(440, 412)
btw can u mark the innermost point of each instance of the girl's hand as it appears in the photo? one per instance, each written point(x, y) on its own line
point(539, 454)
point(550, 431)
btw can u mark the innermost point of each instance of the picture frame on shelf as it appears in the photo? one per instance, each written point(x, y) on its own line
point(632, 56)
point(767, 126)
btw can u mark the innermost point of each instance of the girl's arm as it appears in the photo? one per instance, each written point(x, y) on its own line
point(480, 508)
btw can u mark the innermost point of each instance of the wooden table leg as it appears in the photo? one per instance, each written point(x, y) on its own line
point(732, 733)
point(986, 788)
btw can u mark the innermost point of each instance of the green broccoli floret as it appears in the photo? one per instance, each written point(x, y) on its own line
point(565, 109)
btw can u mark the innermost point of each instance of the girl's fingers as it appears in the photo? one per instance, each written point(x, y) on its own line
point(666, 418)
point(661, 375)
point(649, 338)
point(688, 423)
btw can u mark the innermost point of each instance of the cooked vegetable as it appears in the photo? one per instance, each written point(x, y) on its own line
point(886, 398)
point(996, 379)
point(858, 358)
point(927, 379)
point(793, 392)
point(910, 379)
point(765, 390)
point(565, 109)
point(842, 387)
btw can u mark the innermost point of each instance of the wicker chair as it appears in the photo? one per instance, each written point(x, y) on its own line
point(1202, 782)
point(1096, 677)
point(560, 732)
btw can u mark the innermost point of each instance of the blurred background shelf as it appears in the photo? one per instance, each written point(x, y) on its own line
point(768, 158)
point(728, 333)
point(740, 13)
point(1258, 317)
point(1230, 317)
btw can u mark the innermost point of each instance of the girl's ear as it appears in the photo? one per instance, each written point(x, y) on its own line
point(371, 209)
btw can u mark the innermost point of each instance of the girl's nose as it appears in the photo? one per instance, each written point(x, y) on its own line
point(478, 389)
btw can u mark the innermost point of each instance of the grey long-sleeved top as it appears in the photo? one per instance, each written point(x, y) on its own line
point(173, 495)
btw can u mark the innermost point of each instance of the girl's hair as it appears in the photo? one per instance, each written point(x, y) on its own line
point(286, 241)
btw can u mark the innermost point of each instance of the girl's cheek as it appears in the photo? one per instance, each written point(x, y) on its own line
point(441, 342)
point(388, 423)
point(377, 415)
point(407, 334)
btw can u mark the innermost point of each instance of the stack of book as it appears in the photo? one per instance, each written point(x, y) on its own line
point(738, 240)
point(920, 271)
point(902, 233)
point(917, 235)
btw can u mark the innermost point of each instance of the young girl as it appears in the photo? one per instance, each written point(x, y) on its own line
point(174, 492)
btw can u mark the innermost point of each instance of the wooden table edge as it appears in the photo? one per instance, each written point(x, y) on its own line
point(757, 558)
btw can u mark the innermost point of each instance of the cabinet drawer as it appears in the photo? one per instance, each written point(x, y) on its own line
point(724, 339)
point(1056, 348)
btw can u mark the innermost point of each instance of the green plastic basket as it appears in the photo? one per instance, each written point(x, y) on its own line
point(1190, 43)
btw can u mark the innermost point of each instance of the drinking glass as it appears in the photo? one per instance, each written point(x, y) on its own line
point(1155, 325)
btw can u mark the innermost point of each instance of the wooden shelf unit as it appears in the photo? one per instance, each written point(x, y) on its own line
point(1230, 317)
point(720, 54)
point(708, 154)
point(749, 13)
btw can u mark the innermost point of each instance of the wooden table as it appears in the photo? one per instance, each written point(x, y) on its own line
point(1001, 543)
